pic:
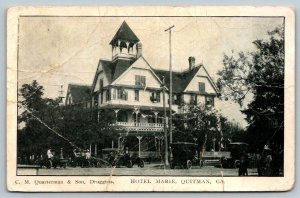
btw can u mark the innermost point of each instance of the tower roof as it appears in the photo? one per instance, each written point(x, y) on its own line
point(125, 33)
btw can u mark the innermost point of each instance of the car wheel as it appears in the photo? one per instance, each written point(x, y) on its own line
point(236, 164)
point(142, 164)
point(49, 164)
point(189, 164)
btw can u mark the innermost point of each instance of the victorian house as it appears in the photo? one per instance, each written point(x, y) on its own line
point(132, 88)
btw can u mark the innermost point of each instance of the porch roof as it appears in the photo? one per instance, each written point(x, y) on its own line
point(132, 107)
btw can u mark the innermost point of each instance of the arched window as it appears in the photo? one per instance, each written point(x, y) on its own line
point(122, 45)
point(130, 47)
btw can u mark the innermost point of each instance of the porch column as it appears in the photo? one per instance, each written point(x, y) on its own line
point(157, 144)
point(136, 111)
point(119, 142)
point(155, 113)
point(116, 112)
point(139, 137)
point(61, 153)
point(95, 150)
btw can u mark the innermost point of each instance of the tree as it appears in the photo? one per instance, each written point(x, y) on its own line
point(261, 73)
point(47, 124)
point(85, 126)
point(199, 124)
point(231, 132)
point(34, 138)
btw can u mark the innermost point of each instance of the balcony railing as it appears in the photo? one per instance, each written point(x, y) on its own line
point(132, 126)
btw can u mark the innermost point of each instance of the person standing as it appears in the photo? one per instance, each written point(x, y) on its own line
point(49, 153)
point(243, 168)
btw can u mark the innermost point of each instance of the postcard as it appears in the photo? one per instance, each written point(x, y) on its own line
point(150, 99)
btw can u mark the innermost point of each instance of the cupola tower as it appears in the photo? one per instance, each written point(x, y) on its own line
point(125, 44)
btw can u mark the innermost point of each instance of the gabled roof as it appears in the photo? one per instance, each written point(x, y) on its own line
point(125, 33)
point(180, 79)
point(113, 70)
point(79, 93)
point(136, 63)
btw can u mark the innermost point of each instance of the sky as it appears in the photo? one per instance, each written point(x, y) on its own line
point(57, 51)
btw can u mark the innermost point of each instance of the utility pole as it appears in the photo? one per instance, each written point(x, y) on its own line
point(165, 124)
point(171, 82)
point(61, 95)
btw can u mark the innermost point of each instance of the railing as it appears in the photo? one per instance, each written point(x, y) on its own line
point(138, 126)
point(125, 55)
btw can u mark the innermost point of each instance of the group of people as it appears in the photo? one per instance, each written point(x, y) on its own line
point(269, 162)
point(84, 153)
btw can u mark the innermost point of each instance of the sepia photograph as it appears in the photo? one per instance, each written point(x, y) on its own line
point(158, 96)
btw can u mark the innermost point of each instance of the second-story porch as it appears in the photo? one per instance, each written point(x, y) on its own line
point(138, 119)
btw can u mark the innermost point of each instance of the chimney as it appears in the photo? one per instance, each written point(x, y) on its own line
point(138, 50)
point(191, 62)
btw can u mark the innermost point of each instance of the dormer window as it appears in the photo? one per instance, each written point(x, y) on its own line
point(201, 87)
point(140, 81)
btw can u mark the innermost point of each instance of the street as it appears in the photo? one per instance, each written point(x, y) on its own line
point(148, 170)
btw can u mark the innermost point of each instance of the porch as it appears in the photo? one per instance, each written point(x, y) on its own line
point(137, 126)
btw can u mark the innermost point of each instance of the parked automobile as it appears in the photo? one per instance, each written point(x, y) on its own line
point(236, 149)
point(121, 158)
point(54, 162)
point(184, 154)
point(137, 160)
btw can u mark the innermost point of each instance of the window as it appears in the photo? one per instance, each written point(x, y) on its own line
point(177, 99)
point(140, 81)
point(155, 96)
point(193, 99)
point(108, 95)
point(101, 84)
point(209, 101)
point(122, 45)
point(96, 98)
point(201, 87)
point(114, 94)
point(122, 94)
point(101, 98)
point(136, 95)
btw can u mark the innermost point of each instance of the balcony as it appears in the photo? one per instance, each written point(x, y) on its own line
point(132, 126)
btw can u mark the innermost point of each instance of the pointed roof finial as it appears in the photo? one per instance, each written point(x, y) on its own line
point(125, 33)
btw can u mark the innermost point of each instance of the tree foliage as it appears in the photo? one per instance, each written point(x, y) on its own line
point(202, 124)
point(261, 73)
point(43, 123)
